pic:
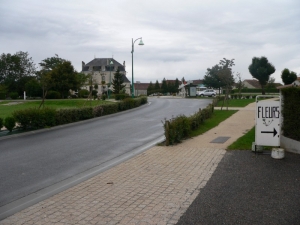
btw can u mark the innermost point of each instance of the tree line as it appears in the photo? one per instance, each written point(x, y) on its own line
point(165, 87)
point(18, 73)
point(222, 76)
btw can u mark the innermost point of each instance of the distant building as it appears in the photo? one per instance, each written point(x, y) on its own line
point(251, 84)
point(103, 73)
point(140, 88)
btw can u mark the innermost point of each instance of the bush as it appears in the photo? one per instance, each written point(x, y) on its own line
point(181, 126)
point(98, 111)
point(94, 93)
point(110, 109)
point(35, 118)
point(9, 123)
point(13, 95)
point(103, 97)
point(53, 95)
point(291, 113)
point(64, 116)
point(83, 93)
point(2, 96)
point(1, 123)
point(121, 96)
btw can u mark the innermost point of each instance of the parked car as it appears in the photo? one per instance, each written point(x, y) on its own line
point(207, 92)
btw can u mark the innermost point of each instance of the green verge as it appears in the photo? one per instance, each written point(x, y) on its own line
point(244, 142)
point(8, 107)
point(218, 117)
point(236, 102)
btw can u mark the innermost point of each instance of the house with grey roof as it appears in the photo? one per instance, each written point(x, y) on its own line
point(251, 83)
point(102, 71)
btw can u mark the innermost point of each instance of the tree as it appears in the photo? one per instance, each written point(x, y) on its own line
point(44, 75)
point(117, 82)
point(52, 62)
point(239, 83)
point(288, 76)
point(164, 86)
point(15, 69)
point(176, 86)
point(33, 88)
point(271, 83)
point(157, 87)
point(220, 75)
point(183, 80)
point(150, 88)
point(261, 69)
point(63, 77)
point(211, 78)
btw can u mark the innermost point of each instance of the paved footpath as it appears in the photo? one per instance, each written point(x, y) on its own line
point(155, 187)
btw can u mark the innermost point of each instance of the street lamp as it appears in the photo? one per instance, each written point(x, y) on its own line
point(141, 43)
point(111, 63)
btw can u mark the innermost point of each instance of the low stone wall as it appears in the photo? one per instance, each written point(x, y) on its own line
point(290, 145)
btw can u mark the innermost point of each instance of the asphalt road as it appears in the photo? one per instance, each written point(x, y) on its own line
point(33, 162)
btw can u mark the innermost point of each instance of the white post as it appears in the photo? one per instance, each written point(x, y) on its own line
point(24, 95)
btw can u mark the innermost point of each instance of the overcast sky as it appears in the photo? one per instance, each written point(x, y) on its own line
point(182, 38)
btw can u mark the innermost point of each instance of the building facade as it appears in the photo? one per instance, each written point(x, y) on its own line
point(102, 72)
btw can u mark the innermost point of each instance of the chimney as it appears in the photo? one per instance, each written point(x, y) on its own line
point(83, 64)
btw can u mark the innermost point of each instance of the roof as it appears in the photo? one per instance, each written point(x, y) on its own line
point(197, 82)
point(97, 63)
point(125, 79)
point(254, 83)
point(141, 86)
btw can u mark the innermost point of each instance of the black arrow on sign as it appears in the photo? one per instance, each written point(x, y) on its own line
point(274, 132)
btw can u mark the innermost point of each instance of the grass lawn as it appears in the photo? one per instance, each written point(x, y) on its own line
point(237, 102)
point(244, 142)
point(8, 107)
point(218, 117)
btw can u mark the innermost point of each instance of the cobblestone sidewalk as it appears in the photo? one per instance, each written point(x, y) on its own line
point(156, 187)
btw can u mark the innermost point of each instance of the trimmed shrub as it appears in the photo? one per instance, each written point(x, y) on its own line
point(1, 123)
point(291, 113)
point(13, 95)
point(53, 95)
point(64, 116)
point(35, 118)
point(110, 109)
point(98, 111)
point(121, 96)
point(2, 96)
point(181, 126)
point(9, 123)
point(82, 93)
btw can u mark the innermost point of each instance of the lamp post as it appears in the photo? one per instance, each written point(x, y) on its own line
point(141, 43)
point(111, 63)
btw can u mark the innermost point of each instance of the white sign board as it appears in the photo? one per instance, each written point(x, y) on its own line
point(267, 117)
point(192, 91)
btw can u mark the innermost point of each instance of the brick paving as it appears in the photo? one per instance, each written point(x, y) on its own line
point(155, 187)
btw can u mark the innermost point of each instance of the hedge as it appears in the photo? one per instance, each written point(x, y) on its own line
point(291, 113)
point(254, 90)
point(34, 118)
point(180, 127)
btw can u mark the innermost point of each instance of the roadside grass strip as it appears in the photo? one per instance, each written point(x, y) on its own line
point(217, 117)
point(244, 142)
point(236, 102)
